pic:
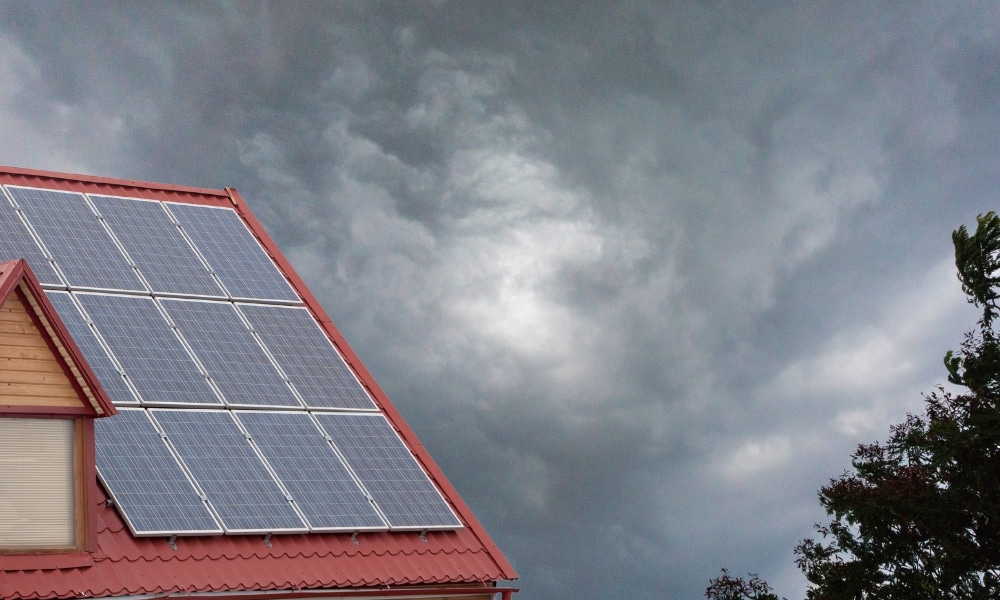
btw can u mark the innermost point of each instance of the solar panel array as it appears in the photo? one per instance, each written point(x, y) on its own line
point(305, 462)
point(216, 452)
point(110, 374)
point(233, 253)
point(148, 481)
point(232, 357)
point(388, 470)
point(237, 412)
point(151, 238)
point(307, 356)
point(78, 242)
point(149, 350)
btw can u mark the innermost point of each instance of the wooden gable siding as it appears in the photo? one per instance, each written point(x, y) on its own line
point(30, 373)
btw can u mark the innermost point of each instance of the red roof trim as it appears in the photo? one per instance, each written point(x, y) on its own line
point(75, 178)
point(10, 276)
point(417, 592)
point(16, 276)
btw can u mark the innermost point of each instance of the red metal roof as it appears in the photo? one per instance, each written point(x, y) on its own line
point(125, 565)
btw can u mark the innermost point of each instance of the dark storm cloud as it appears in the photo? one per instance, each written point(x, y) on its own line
point(640, 276)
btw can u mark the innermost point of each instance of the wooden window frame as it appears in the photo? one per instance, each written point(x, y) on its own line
point(84, 483)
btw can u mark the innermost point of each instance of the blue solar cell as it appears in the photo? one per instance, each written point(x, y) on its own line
point(148, 350)
point(306, 355)
point(230, 354)
point(148, 485)
point(16, 242)
point(310, 470)
point(403, 492)
point(156, 246)
point(102, 366)
point(235, 480)
point(79, 244)
point(233, 252)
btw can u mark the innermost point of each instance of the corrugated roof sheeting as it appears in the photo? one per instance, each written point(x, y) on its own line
point(124, 565)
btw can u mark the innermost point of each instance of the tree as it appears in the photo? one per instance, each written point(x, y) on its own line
point(919, 516)
point(727, 587)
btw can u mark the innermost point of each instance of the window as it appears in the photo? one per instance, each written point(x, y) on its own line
point(40, 460)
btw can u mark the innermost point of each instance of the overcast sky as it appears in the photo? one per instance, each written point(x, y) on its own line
point(640, 276)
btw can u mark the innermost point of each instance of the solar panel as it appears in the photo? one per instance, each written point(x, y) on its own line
point(16, 242)
point(152, 356)
point(79, 244)
point(147, 484)
point(306, 355)
point(233, 252)
point(232, 332)
point(97, 357)
point(230, 354)
point(235, 480)
point(403, 492)
point(153, 241)
point(322, 487)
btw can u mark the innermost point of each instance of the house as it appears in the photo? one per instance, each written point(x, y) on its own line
point(179, 416)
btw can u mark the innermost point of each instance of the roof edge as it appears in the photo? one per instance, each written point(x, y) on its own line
point(430, 593)
point(368, 380)
point(75, 177)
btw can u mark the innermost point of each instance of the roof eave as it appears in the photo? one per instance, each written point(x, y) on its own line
point(397, 593)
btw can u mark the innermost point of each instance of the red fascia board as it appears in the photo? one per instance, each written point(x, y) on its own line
point(18, 271)
point(366, 378)
point(10, 272)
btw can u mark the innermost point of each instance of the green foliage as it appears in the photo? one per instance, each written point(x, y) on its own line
point(978, 260)
point(727, 587)
point(919, 516)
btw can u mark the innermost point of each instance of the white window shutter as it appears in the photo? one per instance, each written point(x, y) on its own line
point(36, 483)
